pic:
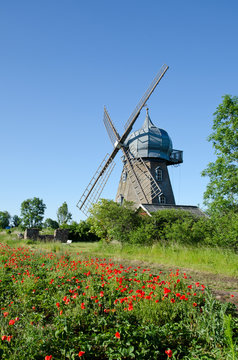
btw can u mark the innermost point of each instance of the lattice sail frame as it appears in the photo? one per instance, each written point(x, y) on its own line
point(93, 196)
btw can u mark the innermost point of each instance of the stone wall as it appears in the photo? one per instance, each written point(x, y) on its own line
point(31, 234)
point(46, 237)
point(61, 235)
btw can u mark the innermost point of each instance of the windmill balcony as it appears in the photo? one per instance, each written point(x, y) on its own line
point(176, 156)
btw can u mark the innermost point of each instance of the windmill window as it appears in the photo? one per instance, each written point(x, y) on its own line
point(124, 176)
point(121, 198)
point(162, 199)
point(158, 174)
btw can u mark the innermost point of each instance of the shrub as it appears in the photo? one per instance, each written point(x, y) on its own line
point(112, 221)
point(80, 232)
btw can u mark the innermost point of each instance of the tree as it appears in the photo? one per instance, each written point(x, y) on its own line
point(32, 213)
point(49, 223)
point(4, 219)
point(112, 221)
point(16, 221)
point(221, 194)
point(63, 214)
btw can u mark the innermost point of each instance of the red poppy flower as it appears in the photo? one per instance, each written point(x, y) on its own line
point(5, 314)
point(117, 335)
point(11, 322)
point(166, 290)
point(81, 353)
point(169, 353)
point(4, 337)
point(48, 357)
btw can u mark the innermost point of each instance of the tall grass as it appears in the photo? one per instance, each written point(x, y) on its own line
point(207, 259)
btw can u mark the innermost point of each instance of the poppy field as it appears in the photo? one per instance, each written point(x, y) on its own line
point(65, 306)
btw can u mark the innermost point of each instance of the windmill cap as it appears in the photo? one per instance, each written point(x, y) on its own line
point(150, 141)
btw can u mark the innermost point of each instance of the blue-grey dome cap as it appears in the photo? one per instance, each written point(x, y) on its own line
point(150, 141)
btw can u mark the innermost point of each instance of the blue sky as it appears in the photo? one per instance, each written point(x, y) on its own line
point(62, 61)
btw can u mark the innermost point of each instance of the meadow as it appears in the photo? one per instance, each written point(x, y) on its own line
point(67, 302)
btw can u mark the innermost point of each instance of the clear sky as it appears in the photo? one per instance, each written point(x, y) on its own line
point(61, 61)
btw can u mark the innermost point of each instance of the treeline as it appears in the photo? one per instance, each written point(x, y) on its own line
point(32, 215)
point(110, 221)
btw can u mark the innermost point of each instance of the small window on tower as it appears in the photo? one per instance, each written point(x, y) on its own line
point(158, 174)
point(124, 176)
point(162, 199)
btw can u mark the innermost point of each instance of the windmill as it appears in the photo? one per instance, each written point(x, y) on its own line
point(141, 178)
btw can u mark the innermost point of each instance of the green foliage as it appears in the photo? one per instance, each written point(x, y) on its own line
point(63, 214)
point(224, 230)
point(16, 221)
point(4, 219)
point(49, 223)
point(80, 232)
point(222, 191)
point(32, 213)
point(112, 221)
point(165, 219)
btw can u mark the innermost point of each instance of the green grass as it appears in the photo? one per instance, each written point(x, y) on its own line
point(213, 260)
point(203, 259)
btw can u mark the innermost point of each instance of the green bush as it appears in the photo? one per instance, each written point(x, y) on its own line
point(145, 234)
point(80, 231)
point(225, 230)
point(112, 221)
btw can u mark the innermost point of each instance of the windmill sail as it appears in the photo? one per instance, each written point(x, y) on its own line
point(111, 130)
point(96, 185)
point(144, 184)
point(139, 173)
point(136, 112)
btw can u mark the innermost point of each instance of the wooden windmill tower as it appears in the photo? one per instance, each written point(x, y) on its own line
point(146, 155)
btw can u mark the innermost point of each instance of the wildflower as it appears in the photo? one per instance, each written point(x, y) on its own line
point(232, 295)
point(83, 306)
point(172, 300)
point(169, 353)
point(9, 338)
point(12, 322)
point(81, 353)
point(48, 357)
point(195, 304)
point(4, 337)
point(5, 313)
point(117, 335)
